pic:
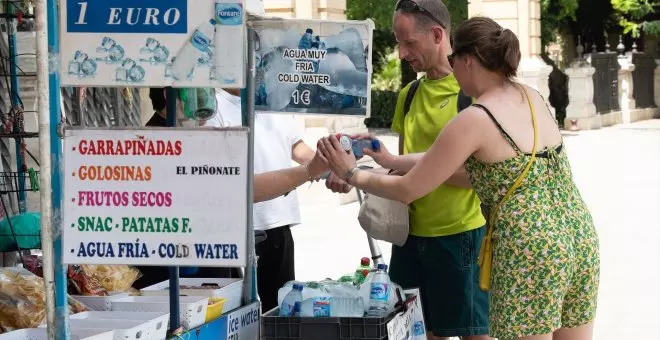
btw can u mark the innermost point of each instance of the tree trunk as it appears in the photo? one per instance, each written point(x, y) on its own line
point(407, 73)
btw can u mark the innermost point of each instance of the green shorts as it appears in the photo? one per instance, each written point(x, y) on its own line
point(445, 270)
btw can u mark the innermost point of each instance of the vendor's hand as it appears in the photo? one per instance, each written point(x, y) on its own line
point(382, 157)
point(339, 160)
point(317, 166)
point(336, 184)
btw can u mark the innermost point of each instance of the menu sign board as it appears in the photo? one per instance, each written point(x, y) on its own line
point(155, 197)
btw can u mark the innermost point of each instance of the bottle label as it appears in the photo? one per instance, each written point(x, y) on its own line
point(380, 291)
point(229, 14)
point(321, 306)
point(286, 309)
point(200, 41)
point(290, 310)
point(418, 328)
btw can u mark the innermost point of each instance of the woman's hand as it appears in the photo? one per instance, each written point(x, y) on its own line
point(382, 157)
point(339, 160)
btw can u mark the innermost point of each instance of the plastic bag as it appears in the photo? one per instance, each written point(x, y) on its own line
point(83, 283)
point(22, 300)
point(113, 278)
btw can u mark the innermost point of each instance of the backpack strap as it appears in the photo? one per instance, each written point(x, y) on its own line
point(409, 96)
point(464, 101)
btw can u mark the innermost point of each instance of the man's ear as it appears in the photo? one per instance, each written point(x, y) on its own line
point(438, 34)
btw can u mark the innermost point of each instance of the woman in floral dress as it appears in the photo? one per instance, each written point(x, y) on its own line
point(545, 268)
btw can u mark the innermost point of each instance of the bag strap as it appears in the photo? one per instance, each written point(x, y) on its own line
point(409, 97)
point(487, 244)
point(464, 101)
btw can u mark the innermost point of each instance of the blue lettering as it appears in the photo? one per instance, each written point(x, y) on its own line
point(162, 250)
point(233, 325)
point(216, 251)
point(122, 16)
point(96, 249)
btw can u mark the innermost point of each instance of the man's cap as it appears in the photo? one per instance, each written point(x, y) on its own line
point(434, 9)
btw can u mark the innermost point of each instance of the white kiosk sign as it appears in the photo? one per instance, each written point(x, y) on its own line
point(155, 197)
point(179, 43)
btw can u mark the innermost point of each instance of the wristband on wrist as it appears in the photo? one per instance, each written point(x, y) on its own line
point(350, 173)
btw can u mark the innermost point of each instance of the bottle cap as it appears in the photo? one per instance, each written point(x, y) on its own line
point(346, 142)
point(382, 266)
point(375, 144)
point(297, 286)
point(365, 261)
point(212, 21)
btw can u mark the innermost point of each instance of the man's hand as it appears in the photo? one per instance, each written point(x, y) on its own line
point(337, 185)
point(382, 157)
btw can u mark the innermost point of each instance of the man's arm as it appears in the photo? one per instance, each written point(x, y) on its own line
point(301, 153)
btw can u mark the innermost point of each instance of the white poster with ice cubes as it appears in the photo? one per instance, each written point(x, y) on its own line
point(157, 43)
point(313, 66)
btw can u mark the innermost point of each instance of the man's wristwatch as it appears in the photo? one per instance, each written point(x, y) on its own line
point(350, 173)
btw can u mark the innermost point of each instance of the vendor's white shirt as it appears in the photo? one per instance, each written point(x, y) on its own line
point(275, 135)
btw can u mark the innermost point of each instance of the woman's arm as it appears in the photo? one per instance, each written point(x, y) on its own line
point(405, 163)
point(460, 139)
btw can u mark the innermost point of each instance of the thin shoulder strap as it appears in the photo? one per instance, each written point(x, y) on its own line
point(499, 127)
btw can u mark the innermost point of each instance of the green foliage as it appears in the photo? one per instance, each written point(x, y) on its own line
point(380, 11)
point(554, 16)
point(458, 10)
point(630, 15)
point(389, 77)
point(383, 104)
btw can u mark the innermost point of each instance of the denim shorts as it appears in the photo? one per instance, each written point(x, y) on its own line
point(445, 270)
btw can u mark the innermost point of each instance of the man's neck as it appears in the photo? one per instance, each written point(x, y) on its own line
point(438, 72)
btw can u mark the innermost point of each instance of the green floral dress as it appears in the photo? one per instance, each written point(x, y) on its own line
point(546, 261)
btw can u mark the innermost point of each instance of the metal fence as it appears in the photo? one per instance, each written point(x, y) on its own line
point(606, 81)
point(643, 82)
point(102, 106)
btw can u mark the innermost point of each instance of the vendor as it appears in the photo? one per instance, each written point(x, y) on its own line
point(268, 185)
point(277, 142)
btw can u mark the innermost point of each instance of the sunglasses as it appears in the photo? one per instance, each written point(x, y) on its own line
point(411, 6)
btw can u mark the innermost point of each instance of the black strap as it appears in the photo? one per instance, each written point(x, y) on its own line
point(499, 127)
point(409, 96)
point(464, 101)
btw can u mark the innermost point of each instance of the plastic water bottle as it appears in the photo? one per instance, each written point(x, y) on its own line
point(291, 304)
point(192, 50)
point(347, 306)
point(229, 16)
point(357, 145)
point(380, 292)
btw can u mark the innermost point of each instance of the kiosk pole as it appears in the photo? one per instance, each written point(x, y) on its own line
point(58, 325)
point(48, 101)
point(170, 102)
point(247, 106)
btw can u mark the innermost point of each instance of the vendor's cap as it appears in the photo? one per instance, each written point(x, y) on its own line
point(435, 10)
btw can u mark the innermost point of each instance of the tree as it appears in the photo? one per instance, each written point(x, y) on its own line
point(631, 16)
point(554, 16)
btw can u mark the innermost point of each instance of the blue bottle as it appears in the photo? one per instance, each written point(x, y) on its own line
point(380, 292)
point(291, 303)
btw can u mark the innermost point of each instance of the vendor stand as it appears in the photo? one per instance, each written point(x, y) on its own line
point(132, 52)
